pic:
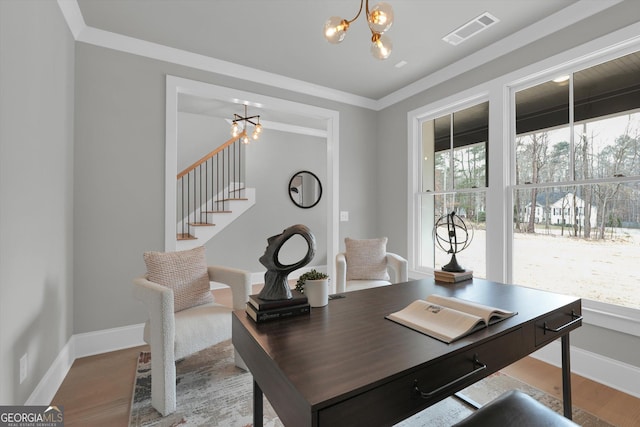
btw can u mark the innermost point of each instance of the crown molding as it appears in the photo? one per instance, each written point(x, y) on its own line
point(570, 15)
point(119, 42)
point(73, 16)
point(289, 128)
point(559, 20)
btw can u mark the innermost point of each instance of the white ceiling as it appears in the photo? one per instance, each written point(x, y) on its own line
point(280, 41)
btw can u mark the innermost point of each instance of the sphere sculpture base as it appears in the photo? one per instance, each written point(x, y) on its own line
point(453, 266)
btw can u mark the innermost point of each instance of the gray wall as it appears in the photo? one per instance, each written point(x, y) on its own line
point(75, 227)
point(36, 188)
point(198, 135)
point(119, 180)
point(392, 149)
point(269, 164)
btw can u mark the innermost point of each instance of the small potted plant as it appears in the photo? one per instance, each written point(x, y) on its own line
point(315, 285)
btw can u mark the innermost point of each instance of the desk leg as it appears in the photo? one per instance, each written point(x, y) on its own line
point(566, 377)
point(257, 405)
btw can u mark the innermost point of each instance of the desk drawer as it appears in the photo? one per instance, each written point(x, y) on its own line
point(558, 323)
point(395, 400)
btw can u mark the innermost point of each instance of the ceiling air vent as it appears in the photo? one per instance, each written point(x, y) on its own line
point(471, 28)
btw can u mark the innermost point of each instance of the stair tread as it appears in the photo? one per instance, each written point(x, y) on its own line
point(186, 236)
point(239, 193)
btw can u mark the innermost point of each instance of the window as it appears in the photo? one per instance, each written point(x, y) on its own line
point(453, 178)
point(576, 194)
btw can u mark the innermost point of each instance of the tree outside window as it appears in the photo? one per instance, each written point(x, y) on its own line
point(454, 178)
point(577, 183)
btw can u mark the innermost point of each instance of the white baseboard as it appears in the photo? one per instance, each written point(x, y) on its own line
point(613, 373)
point(257, 278)
point(90, 343)
point(49, 384)
point(82, 345)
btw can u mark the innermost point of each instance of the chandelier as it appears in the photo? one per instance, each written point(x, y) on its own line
point(235, 126)
point(380, 18)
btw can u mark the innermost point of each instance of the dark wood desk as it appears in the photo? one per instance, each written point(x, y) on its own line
point(346, 364)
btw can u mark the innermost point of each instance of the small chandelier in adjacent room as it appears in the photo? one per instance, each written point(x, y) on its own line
point(380, 19)
point(254, 120)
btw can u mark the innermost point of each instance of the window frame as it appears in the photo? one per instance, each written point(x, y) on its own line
point(500, 92)
point(446, 107)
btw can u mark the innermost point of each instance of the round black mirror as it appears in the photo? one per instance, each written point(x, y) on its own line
point(305, 189)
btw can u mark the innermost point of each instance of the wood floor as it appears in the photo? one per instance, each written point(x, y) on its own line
point(97, 391)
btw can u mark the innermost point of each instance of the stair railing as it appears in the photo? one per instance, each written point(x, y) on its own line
point(207, 186)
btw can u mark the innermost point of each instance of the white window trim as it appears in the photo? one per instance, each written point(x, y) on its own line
point(415, 120)
point(501, 126)
point(176, 85)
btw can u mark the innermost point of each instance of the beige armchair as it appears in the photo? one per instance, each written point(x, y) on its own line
point(367, 264)
point(175, 335)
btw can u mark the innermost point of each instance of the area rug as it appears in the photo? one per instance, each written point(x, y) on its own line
point(212, 391)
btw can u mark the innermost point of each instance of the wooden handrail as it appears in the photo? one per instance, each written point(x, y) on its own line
point(211, 154)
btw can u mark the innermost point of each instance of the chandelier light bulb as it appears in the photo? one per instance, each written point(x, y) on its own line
point(380, 17)
point(335, 29)
point(254, 120)
point(381, 46)
point(235, 130)
point(257, 130)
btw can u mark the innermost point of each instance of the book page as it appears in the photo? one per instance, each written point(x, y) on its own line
point(490, 315)
point(437, 321)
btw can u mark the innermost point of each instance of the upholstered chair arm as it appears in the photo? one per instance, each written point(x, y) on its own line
point(158, 300)
point(399, 266)
point(238, 280)
point(341, 273)
point(240, 283)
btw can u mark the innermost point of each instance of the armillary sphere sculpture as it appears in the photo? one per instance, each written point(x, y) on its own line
point(276, 282)
point(452, 235)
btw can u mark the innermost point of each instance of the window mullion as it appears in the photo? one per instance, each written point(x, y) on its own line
point(572, 147)
point(451, 161)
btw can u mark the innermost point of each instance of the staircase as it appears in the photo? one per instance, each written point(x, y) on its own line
point(211, 194)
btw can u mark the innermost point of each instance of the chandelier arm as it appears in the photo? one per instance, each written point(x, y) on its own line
point(238, 118)
point(374, 36)
point(242, 134)
point(360, 11)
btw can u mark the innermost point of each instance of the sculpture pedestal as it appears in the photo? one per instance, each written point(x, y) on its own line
point(275, 288)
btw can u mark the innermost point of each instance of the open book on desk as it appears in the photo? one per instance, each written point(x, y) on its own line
point(448, 318)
